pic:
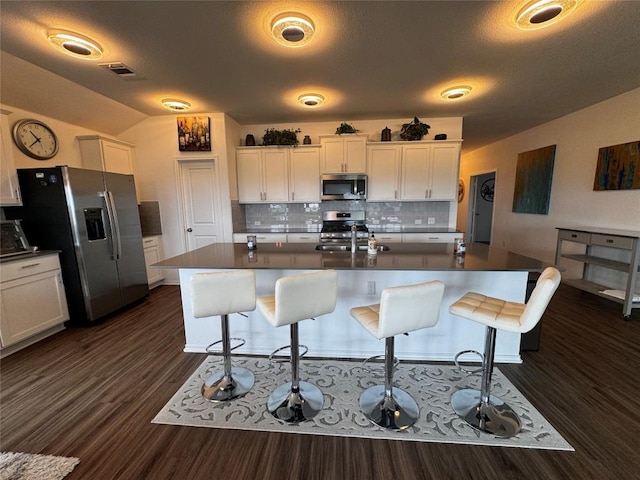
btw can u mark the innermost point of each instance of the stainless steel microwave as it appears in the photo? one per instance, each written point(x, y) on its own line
point(343, 187)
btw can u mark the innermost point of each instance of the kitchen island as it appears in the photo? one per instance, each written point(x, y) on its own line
point(361, 278)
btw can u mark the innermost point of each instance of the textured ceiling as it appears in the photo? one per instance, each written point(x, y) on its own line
point(371, 60)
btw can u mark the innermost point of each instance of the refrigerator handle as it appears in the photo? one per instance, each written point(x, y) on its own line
point(113, 222)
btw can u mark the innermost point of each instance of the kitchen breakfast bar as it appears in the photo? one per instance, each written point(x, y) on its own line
point(361, 278)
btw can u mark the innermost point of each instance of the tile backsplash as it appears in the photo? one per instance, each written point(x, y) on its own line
point(382, 216)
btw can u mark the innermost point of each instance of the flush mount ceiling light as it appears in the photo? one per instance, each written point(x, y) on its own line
point(292, 29)
point(455, 93)
point(311, 100)
point(542, 13)
point(176, 105)
point(74, 44)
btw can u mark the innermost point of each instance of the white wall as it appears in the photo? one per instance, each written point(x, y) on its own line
point(577, 137)
point(69, 148)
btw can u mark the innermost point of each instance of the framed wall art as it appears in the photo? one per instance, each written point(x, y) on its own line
point(534, 171)
point(194, 134)
point(618, 167)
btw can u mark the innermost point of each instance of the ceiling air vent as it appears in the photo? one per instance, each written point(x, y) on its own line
point(120, 69)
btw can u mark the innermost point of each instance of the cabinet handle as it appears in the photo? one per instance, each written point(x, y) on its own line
point(573, 235)
point(31, 265)
point(395, 194)
point(426, 193)
point(609, 240)
point(293, 196)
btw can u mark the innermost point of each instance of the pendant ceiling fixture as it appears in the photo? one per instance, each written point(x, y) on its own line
point(311, 100)
point(542, 13)
point(176, 105)
point(455, 93)
point(292, 29)
point(74, 44)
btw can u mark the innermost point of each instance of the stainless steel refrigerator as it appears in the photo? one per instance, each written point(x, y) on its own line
point(92, 218)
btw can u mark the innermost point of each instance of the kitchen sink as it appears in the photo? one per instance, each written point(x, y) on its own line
point(329, 247)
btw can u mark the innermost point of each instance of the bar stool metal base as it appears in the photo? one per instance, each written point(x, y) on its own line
point(221, 388)
point(295, 407)
point(495, 417)
point(396, 413)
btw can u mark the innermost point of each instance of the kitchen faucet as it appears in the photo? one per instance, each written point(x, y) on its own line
point(354, 234)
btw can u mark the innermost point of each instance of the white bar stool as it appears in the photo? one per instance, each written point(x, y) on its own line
point(401, 310)
point(480, 409)
point(298, 297)
point(222, 293)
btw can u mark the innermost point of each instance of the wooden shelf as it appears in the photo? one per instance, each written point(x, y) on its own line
point(615, 239)
point(602, 262)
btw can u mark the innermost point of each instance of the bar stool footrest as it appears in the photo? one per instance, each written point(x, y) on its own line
point(209, 350)
point(463, 352)
point(273, 358)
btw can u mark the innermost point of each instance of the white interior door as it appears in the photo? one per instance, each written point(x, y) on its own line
point(200, 198)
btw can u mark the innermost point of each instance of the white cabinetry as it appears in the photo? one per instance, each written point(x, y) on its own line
point(304, 174)
point(430, 171)
point(262, 174)
point(153, 254)
point(383, 172)
point(303, 237)
point(343, 153)
point(106, 154)
point(32, 298)
point(431, 237)
point(416, 172)
point(9, 188)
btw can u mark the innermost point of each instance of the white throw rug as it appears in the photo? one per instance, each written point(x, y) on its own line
point(29, 466)
point(342, 383)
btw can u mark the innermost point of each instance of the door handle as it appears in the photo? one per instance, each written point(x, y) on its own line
point(189, 230)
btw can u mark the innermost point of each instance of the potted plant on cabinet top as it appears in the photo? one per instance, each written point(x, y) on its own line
point(280, 137)
point(346, 128)
point(414, 130)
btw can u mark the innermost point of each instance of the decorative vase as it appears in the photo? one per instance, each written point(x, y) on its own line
point(307, 140)
point(386, 135)
point(250, 141)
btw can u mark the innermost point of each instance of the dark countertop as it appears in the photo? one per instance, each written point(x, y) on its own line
point(380, 229)
point(401, 256)
point(24, 256)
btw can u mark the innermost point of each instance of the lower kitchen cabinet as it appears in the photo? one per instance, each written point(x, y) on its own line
point(32, 300)
point(153, 254)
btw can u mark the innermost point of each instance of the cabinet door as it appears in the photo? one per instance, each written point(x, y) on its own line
point(355, 152)
point(304, 175)
point(444, 172)
point(117, 158)
point(332, 155)
point(9, 189)
point(275, 174)
point(383, 168)
point(415, 172)
point(249, 166)
point(30, 305)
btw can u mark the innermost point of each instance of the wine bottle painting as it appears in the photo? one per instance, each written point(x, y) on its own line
point(194, 134)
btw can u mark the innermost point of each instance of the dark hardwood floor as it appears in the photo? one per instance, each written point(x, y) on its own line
point(92, 392)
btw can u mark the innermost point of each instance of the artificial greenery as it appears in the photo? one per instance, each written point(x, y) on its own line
point(414, 130)
point(346, 128)
point(280, 137)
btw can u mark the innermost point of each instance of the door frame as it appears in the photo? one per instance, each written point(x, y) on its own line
point(471, 206)
point(222, 210)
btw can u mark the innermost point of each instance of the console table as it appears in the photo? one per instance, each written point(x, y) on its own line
point(622, 240)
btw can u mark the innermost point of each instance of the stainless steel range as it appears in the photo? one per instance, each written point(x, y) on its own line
point(336, 227)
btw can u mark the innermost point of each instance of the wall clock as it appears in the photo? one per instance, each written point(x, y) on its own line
point(35, 139)
point(487, 189)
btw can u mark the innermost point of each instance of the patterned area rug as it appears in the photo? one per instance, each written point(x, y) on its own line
point(29, 466)
point(342, 383)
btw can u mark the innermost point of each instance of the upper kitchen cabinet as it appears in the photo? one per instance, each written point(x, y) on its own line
point(262, 174)
point(417, 171)
point(304, 174)
point(343, 153)
point(430, 171)
point(106, 154)
point(9, 188)
point(383, 172)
